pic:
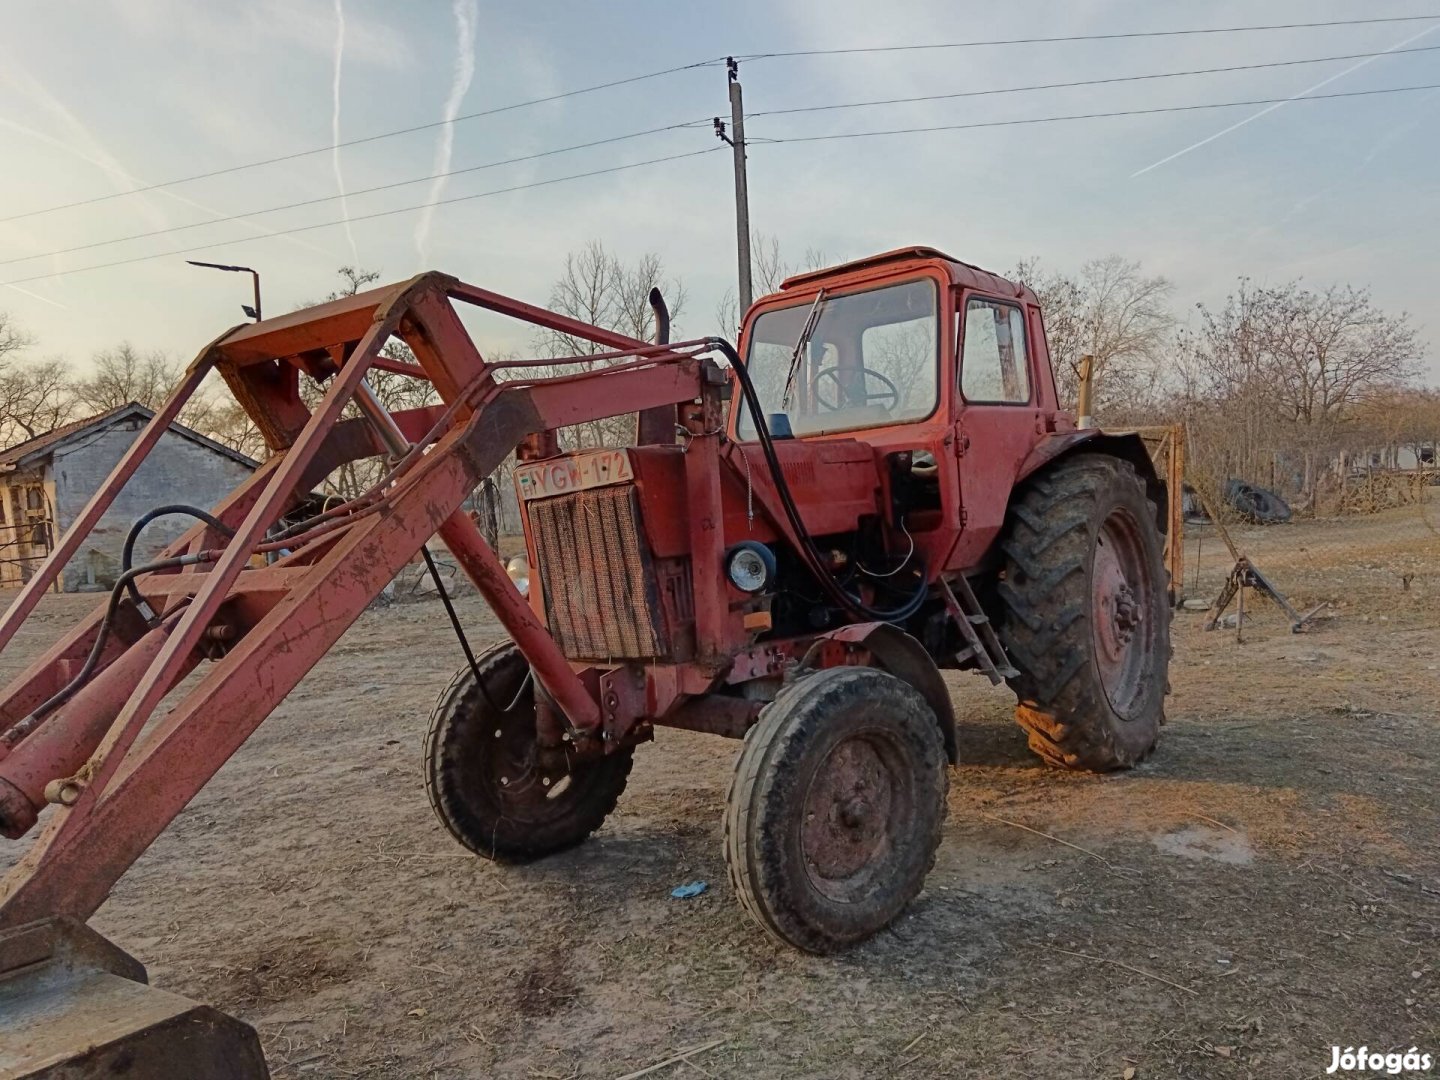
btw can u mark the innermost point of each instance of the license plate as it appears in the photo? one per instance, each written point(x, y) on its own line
point(559, 476)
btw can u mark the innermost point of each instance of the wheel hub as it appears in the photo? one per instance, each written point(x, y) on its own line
point(1120, 585)
point(855, 814)
point(847, 815)
point(521, 776)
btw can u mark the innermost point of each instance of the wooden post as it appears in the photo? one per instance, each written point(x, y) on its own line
point(1085, 418)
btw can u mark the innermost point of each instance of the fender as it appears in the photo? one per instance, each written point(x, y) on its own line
point(1127, 446)
point(905, 658)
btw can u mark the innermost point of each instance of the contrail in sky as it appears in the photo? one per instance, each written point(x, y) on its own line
point(466, 15)
point(335, 128)
point(37, 296)
point(1282, 104)
point(83, 144)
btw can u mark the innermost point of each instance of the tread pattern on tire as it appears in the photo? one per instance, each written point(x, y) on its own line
point(766, 761)
point(461, 707)
point(1045, 625)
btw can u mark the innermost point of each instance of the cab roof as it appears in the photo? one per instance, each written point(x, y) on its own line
point(887, 262)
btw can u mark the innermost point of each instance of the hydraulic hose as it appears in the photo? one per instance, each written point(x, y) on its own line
point(809, 554)
point(102, 636)
point(127, 555)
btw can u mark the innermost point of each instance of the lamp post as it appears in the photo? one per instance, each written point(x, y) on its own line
point(253, 312)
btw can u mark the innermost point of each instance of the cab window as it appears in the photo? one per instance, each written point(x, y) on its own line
point(872, 359)
point(993, 364)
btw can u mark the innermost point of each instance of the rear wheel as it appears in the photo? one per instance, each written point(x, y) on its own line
point(1087, 618)
point(835, 810)
point(483, 777)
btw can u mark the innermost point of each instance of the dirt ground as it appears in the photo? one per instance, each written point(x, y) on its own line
point(1265, 887)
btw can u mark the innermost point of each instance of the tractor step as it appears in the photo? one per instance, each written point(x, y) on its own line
point(983, 645)
point(74, 1005)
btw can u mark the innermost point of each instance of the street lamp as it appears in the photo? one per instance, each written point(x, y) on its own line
point(253, 312)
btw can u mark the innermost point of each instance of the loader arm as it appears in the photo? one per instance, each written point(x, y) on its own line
point(115, 778)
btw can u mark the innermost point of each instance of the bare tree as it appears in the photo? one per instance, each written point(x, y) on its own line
point(34, 395)
point(124, 374)
point(768, 270)
point(1285, 371)
point(597, 287)
point(1394, 418)
point(12, 338)
point(229, 424)
point(1115, 313)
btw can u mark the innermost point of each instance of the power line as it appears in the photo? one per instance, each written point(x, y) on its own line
point(692, 123)
point(690, 67)
point(350, 194)
point(1082, 37)
point(365, 217)
point(1089, 116)
point(363, 139)
point(1087, 82)
point(697, 153)
point(703, 121)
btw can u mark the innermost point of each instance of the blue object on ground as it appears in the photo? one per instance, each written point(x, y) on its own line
point(684, 892)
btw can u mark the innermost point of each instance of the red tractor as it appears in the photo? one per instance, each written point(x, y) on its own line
point(893, 489)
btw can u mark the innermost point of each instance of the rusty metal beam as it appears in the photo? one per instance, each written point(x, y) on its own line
point(338, 322)
point(277, 622)
point(36, 587)
point(137, 787)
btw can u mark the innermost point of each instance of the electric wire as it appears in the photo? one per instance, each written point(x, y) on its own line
point(705, 122)
point(1081, 82)
point(903, 562)
point(364, 217)
point(1085, 116)
point(1121, 36)
point(329, 147)
point(714, 61)
point(350, 194)
point(750, 141)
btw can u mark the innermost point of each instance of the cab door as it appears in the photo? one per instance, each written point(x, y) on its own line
point(999, 416)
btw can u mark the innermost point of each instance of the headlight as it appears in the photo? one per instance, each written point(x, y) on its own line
point(518, 570)
point(750, 566)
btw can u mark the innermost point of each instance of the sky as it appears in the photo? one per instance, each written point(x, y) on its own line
point(132, 93)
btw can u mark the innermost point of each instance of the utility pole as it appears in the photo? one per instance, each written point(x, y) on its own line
point(736, 139)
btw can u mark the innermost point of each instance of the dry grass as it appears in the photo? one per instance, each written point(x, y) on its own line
point(1267, 886)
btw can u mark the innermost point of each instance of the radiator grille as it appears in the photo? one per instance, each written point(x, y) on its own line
point(600, 596)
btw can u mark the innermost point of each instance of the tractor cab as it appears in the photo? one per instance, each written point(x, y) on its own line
point(919, 356)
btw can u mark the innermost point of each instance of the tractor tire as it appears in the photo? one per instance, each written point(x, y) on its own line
point(835, 810)
point(1086, 614)
point(482, 777)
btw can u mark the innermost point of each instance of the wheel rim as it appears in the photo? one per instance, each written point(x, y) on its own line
point(854, 805)
point(1120, 608)
point(511, 771)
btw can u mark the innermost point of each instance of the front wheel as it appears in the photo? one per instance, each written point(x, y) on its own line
point(835, 810)
point(1086, 614)
point(484, 778)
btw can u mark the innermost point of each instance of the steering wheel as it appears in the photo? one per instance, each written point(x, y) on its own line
point(888, 396)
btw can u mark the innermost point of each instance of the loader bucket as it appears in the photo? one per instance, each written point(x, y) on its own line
point(73, 1005)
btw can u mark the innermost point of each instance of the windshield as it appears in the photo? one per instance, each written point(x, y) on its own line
point(872, 359)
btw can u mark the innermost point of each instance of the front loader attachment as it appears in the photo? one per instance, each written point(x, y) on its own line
point(95, 736)
point(72, 1005)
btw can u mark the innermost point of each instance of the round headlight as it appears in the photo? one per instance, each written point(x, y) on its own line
point(750, 566)
point(518, 570)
